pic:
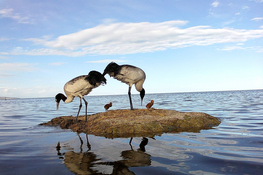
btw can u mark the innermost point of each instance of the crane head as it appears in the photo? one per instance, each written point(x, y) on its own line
point(112, 69)
point(59, 97)
point(142, 93)
point(95, 78)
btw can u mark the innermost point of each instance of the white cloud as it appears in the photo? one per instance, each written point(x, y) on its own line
point(106, 61)
point(4, 39)
point(258, 1)
point(43, 51)
point(9, 13)
point(240, 47)
point(10, 67)
point(233, 48)
point(5, 75)
point(257, 19)
point(245, 7)
point(258, 49)
point(215, 4)
point(128, 38)
point(108, 21)
point(3, 57)
point(57, 63)
point(27, 92)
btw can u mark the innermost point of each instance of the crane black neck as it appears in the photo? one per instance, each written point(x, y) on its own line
point(60, 96)
point(142, 93)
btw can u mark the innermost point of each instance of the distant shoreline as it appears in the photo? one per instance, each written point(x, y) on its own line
point(94, 95)
point(7, 98)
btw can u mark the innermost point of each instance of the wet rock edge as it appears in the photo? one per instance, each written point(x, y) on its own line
point(136, 123)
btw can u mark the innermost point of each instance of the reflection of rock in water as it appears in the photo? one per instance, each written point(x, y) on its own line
point(132, 159)
point(85, 163)
point(135, 158)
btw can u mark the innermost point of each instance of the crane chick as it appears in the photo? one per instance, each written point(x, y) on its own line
point(107, 106)
point(149, 105)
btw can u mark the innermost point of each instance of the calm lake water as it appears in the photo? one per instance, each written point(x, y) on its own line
point(233, 147)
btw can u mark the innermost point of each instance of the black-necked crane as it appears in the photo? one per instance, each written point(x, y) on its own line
point(80, 86)
point(127, 74)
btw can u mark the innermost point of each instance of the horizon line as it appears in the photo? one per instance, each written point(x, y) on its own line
point(8, 98)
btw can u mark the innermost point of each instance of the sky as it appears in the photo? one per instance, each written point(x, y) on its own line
point(182, 45)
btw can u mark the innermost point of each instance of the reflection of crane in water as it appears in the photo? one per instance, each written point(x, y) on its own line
point(58, 147)
point(81, 142)
point(143, 143)
point(86, 162)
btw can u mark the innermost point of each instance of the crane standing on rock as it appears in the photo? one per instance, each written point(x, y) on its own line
point(127, 74)
point(80, 86)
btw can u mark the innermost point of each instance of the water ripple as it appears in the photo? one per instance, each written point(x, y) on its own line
point(233, 147)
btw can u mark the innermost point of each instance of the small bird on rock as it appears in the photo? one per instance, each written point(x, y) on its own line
point(149, 105)
point(107, 106)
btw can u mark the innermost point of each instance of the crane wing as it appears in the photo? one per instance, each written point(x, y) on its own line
point(78, 86)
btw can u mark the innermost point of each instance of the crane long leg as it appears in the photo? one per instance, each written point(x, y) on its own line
point(129, 93)
point(86, 110)
point(80, 105)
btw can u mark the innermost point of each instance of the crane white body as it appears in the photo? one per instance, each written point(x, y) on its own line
point(131, 75)
point(77, 87)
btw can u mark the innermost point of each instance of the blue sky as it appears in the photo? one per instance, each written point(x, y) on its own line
point(182, 45)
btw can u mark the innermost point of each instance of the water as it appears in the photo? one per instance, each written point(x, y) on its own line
point(233, 147)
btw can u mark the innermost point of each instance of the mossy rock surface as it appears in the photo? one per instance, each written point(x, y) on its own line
point(137, 123)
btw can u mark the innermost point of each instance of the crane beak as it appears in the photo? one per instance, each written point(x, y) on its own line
point(57, 105)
